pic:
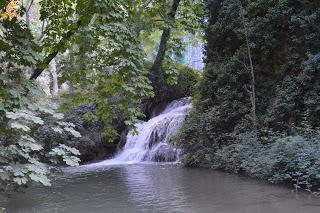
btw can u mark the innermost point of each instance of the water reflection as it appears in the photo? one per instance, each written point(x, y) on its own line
point(159, 189)
point(156, 188)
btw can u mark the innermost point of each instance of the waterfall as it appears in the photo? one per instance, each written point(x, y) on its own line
point(153, 139)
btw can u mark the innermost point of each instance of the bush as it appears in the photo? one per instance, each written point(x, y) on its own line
point(201, 135)
point(292, 159)
point(24, 158)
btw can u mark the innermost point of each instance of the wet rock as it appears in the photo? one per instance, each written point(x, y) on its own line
point(165, 153)
point(91, 145)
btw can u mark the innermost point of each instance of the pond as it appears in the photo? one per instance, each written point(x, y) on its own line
point(159, 188)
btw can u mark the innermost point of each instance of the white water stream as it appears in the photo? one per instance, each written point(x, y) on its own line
point(152, 143)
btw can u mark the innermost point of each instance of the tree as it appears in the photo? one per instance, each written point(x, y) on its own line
point(273, 47)
point(54, 86)
point(98, 29)
point(168, 22)
point(156, 67)
point(28, 6)
point(24, 159)
point(252, 93)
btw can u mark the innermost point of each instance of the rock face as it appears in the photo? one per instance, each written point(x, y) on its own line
point(91, 145)
point(165, 153)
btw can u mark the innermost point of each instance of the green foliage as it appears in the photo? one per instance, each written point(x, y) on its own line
point(103, 59)
point(284, 40)
point(22, 157)
point(293, 159)
point(25, 159)
point(100, 30)
point(104, 66)
point(185, 82)
point(67, 154)
point(282, 57)
point(152, 17)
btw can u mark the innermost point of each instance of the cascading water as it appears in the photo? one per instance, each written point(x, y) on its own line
point(152, 143)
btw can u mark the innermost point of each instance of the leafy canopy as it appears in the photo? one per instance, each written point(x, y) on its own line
point(113, 79)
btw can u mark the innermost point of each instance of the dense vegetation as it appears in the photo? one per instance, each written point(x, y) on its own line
point(257, 109)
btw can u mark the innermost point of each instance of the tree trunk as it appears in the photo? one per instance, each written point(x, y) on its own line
point(252, 74)
point(27, 13)
point(41, 66)
point(157, 75)
point(54, 88)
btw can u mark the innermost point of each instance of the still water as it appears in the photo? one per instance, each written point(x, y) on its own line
point(160, 189)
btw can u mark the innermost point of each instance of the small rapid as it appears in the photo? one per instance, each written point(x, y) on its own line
point(151, 140)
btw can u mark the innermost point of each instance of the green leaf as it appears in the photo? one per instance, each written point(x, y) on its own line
point(19, 126)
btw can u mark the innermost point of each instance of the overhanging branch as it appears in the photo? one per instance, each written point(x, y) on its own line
point(41, 66)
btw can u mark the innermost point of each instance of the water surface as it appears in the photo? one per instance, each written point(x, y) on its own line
point(159, 189)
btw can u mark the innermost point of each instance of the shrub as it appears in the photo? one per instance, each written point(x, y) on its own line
point(292, 159)
point(23, 157)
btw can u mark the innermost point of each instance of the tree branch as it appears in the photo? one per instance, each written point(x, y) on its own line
point(41, 66)
point(30, 5)
point(42, 30)
point(28, 8)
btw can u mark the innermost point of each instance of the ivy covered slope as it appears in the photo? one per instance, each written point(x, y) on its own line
point(114, 80)
point(283, 38)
